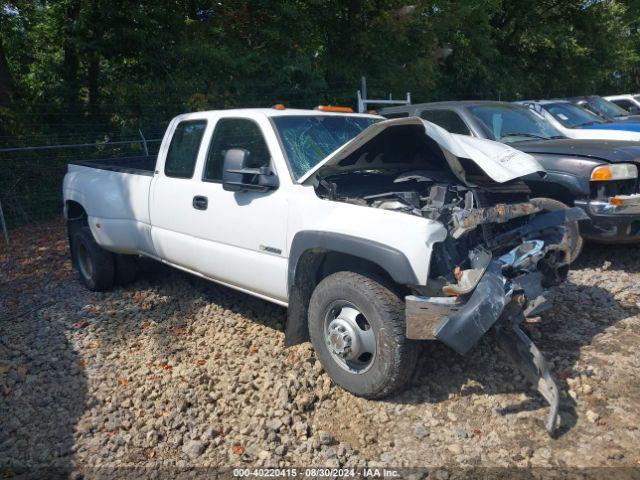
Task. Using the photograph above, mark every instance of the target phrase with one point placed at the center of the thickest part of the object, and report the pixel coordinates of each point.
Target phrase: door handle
(200, 202)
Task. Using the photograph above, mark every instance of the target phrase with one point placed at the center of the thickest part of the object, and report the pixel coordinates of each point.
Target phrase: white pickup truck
(374, 233)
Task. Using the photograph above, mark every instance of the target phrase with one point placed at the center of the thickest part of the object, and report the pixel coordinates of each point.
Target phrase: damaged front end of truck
(501, 252)
(502, 281)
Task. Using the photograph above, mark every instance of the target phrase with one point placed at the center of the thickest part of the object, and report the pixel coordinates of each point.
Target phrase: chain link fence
(31, 177)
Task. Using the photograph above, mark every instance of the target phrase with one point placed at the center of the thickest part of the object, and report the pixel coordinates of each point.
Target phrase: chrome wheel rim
(84, 261)
(349, 337)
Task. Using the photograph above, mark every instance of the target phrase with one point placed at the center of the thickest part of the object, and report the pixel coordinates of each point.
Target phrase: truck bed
(142, 165)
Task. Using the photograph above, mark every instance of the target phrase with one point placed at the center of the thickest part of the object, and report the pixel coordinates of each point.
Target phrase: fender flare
(390, 259)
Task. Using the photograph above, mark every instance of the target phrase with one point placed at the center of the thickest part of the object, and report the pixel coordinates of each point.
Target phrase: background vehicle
(576, 122)
(597, 175)
(303, 208)
(604, 108)
(631, 103)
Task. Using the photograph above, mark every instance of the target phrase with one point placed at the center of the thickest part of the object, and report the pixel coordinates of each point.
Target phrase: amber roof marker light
(333, 108)
(279, 106)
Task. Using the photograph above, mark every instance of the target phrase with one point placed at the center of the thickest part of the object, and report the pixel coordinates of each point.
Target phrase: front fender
(558, 184)
(391, 260)
(571, 173)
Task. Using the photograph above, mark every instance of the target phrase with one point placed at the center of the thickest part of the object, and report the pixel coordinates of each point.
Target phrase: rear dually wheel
(96, 266)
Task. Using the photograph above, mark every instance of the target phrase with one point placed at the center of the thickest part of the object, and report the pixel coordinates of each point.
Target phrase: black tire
(575, 240)
(394, 361)
(126, 269)
(96, 266)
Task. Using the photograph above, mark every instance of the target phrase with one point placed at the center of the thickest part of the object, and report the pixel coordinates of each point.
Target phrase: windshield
(570, 115)
(513, 123)
(309, 139)
(608, 108)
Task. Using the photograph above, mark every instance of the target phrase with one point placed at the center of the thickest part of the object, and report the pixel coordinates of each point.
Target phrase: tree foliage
(101, 67)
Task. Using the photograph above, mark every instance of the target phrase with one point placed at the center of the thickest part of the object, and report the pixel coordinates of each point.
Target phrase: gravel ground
(173, 371)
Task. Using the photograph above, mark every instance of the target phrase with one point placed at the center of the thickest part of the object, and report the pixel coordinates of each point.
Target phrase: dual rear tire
(99, 269)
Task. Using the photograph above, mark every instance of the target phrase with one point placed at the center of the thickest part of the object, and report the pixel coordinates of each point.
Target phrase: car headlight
(621, 171)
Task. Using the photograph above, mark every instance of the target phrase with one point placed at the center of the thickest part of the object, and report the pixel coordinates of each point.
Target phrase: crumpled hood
(613, 151)
(500, 162)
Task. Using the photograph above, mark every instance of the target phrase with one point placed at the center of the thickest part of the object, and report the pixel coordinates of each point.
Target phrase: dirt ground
(176, 372)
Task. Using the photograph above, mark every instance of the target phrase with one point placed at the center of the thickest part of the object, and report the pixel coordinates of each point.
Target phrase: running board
(528, 359)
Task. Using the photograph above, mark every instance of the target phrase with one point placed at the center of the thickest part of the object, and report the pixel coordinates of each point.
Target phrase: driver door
(243, 234)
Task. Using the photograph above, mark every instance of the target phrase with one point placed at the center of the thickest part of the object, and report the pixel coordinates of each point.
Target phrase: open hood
(499, 162)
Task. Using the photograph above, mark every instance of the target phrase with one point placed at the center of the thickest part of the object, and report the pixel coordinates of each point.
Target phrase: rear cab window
(183, 149)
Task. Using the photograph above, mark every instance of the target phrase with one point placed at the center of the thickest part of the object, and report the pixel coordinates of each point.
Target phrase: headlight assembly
(620, 171)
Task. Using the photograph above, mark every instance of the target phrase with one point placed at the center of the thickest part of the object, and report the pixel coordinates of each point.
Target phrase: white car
(373, 233)
(576, 122)
(631, 103)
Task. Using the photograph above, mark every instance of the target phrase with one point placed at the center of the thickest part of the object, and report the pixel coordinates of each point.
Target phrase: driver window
(446, 119)
(235, 133)
(626, 104)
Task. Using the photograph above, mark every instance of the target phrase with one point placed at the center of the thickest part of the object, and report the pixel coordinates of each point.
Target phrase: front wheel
(357, 327)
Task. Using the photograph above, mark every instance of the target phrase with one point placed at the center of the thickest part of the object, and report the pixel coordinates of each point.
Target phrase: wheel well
(74, 211)
(312, 267)
(76, 217)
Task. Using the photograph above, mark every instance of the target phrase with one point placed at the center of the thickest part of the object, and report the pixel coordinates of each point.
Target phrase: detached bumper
(615, 220)
(461, 323)
(458, 324)
(495, 303)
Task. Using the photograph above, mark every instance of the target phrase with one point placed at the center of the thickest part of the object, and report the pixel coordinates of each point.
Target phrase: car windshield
(608, 108)
(570, 115)
(513, 123)
(309, 139)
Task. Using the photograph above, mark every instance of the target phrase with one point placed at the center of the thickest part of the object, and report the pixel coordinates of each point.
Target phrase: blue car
(605, 109)
(629, 126)
(576, 122)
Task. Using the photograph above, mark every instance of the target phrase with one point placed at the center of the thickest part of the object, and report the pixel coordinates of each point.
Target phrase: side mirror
(237, 177)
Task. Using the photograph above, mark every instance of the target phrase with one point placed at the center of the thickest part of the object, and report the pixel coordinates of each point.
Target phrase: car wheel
(574, 239)
(96, 265)
(357, 327)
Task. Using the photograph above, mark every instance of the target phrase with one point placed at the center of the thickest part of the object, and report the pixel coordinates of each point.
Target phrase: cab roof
(274, 112)
(545, 102)
(447, 104)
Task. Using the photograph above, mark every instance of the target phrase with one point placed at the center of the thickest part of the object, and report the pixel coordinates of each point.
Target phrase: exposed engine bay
(501, 253)
(489, 217)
